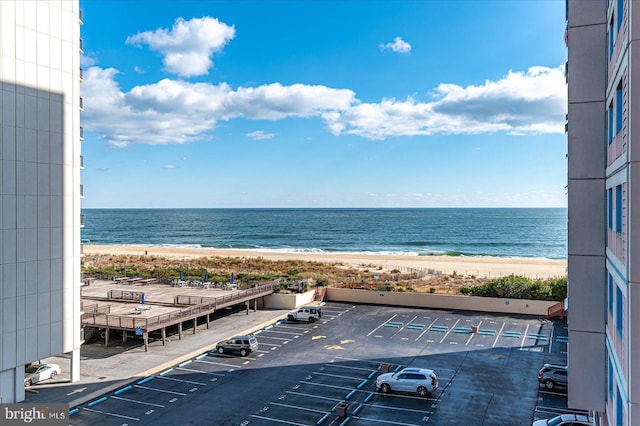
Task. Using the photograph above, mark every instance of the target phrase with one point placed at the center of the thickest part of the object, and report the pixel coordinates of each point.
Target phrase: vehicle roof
(416, 370)
(575, 417)
(565, 367)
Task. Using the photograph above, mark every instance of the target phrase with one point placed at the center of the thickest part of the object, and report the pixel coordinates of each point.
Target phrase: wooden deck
(141, 309)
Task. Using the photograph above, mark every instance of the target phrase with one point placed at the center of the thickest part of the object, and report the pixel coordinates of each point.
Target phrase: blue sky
(324, 103)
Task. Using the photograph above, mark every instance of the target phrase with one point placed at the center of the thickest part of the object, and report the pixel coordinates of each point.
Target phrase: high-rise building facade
(40, 189)
(604, 180)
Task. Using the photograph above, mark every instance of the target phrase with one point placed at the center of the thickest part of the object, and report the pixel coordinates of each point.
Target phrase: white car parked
(413, 380)
(38, 372)
(566, 420)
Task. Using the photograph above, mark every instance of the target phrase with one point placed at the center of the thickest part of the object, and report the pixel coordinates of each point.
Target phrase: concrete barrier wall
(441, 301)
(288, 301)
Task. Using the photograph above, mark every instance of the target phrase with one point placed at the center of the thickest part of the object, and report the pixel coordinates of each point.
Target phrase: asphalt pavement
(103, 369)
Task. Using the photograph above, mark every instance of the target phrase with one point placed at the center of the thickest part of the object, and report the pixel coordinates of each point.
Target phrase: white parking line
(388, 422)
(450, 330)
(216, 363)
(308, 395)
(277, 420)
(281, 332)
(327, 386)
(472, 334)
(381, 325)
(427, 329)
(193, 370)
(138, 402)
(349, 367)
(498, 335)
(359, 379)
(391, 407)
(112, 414)
(180, 380)
(312, 410)
(524, 336)
(160, 390)
(273, 338)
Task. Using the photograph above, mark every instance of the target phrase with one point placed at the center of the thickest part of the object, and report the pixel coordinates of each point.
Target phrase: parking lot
(324, 374)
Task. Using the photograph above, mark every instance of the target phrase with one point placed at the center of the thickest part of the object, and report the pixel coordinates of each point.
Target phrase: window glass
(619, 209)
(619, 107)
(610, 124)
(619, 311)
(610, 199)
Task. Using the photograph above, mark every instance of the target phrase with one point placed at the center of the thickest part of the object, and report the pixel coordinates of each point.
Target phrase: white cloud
(169, 166)
(176, 111)
(138, 70)
(259, 135)
(398, 45)
(530, 102)
(187, 48)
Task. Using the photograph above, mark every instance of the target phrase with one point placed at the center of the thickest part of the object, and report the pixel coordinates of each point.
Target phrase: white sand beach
(479, 266)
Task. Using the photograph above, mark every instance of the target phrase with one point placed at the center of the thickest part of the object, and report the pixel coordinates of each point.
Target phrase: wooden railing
(556, 310)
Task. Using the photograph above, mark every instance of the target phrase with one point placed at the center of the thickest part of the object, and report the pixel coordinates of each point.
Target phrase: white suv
(415, 380)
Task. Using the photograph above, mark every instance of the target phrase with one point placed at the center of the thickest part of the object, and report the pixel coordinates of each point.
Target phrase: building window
(612, 38)
(619, 107)
(610, 200)
(619, 311)
(620, 13)
(610, 377)
(610, 295)
(619, 417)
(610, 123)
(619, 209)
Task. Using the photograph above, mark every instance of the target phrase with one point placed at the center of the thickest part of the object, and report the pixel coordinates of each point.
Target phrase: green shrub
(518, 287)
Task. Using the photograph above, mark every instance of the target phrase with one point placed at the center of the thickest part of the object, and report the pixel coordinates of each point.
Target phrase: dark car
(241, 345)
(553, 376)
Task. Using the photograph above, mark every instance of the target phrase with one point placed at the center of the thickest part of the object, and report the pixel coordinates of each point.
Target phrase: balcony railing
(81, 191)
(81, 220)
(81, 75)
(81, 162)
(80, 44)
(81, 104)
(81, 133)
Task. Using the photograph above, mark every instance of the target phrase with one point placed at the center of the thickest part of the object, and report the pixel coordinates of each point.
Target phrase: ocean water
(505, 232)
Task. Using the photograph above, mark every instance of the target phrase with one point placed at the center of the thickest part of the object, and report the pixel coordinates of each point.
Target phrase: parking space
(324, 373)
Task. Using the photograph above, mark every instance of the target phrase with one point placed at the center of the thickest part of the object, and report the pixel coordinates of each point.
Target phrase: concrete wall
(587, 77)
(440, 301)
(287, 301)
(39, 187)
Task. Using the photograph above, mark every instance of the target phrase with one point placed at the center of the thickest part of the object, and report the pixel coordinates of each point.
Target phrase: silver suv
(413, 380)
(242, 345)
(553, 376)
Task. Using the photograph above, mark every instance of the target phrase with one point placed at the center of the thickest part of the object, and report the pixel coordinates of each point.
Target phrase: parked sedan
(566, 420)
(38, 372)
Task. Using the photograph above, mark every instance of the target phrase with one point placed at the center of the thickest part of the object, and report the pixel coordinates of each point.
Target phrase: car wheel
(312, 319)
(549, 384)
(243, 352)
(291, 318)
(29, 382)
(385, 388)
(53, 374)
(220, 350)
(422, 391)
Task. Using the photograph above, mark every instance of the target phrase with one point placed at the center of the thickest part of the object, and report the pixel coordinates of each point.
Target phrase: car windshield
(31, 369)
(554, 421)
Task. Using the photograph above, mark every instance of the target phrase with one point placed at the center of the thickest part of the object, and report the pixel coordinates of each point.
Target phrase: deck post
(145, 337)
(208, 320)
(180, 330)
(195, 324)
(124, 335)
(247, 305)
(164, 335)
(106, 337)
